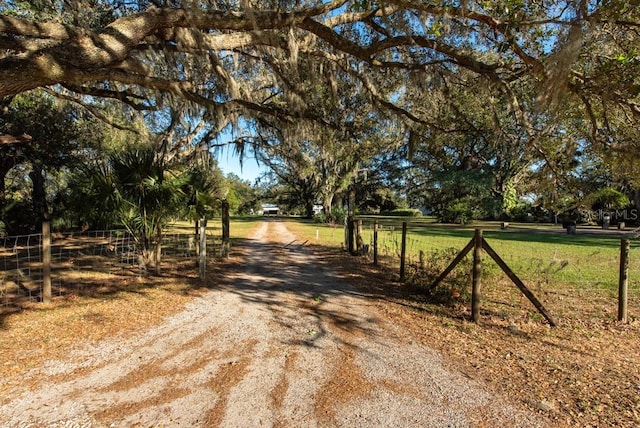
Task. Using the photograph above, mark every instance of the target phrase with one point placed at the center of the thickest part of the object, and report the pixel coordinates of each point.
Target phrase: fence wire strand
(574, 288)
(82, 260)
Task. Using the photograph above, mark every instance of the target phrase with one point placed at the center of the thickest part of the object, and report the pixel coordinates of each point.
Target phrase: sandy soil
(283, 342)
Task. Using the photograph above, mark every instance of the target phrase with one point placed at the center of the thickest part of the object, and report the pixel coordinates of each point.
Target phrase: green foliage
(460, 212)
(320, 218)
(150, 190)
(20, 218)
(203, 187)
(243, 198)
(466, 210)
(338, 215)
(38, 170)
(374, 196)
(52, 126)
(525, 212)
(609, 199)
(489, 111)
(509, 199)
(403, 212)
(94, 199)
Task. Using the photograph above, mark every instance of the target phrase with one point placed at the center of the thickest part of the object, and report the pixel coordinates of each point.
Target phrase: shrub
(608, 198)
(459, 212)
(19, 218)
(338, 215)
(320, 218)
(403, 212)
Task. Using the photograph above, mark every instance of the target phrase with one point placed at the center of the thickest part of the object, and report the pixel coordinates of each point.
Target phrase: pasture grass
(539, 253)
(239, 226)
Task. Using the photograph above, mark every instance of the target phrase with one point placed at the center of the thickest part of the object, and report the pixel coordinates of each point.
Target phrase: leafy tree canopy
(492, 88)
(237, 58)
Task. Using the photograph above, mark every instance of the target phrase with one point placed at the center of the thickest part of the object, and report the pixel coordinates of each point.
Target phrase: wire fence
(83, 262)
(576, 279)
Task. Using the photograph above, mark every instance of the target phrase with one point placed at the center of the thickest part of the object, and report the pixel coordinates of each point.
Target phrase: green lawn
(575, 276)
(535, 252)
(239, 227)
(541, 255)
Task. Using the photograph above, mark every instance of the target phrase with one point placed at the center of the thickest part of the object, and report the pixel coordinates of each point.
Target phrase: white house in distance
(273, 209)
(270, 209)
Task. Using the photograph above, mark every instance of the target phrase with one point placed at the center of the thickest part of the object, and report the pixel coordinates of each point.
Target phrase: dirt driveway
(285, 344)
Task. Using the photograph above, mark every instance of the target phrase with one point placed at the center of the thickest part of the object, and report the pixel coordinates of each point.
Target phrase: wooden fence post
(225, 229)
(46, 262)
(477, 272)
(403, 251)
(196, 241)
(359, 240)
(351, 213)
(623, 283)
(202, 257)
(375, 243)
(351, 241)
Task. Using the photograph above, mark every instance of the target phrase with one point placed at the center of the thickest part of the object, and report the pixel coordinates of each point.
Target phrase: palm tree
(93, 199)
(204, 188)
(151, 191)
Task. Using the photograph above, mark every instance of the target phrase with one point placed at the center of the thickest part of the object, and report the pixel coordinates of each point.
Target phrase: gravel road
(289, 344)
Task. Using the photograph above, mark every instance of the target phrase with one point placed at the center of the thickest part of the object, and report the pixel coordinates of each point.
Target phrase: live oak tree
(232, 62)
(57, 139)
(242, 195)
(193, 49)
(319, 158)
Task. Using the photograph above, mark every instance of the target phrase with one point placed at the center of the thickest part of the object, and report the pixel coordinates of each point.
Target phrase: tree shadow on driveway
(300, 290)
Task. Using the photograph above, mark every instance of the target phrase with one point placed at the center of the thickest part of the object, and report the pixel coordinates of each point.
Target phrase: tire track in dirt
(282, 343)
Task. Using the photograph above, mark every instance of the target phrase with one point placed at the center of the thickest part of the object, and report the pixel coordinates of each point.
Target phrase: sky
(229, 162)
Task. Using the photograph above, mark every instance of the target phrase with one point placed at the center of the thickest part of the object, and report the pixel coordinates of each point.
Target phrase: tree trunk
(3, 192)
(351, 203)
(158, 251)
(196, 240)
(144, 260)
(328, 202)
(226, 241)
(39, 195)
(308, 206)
(8, 160)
